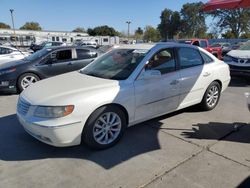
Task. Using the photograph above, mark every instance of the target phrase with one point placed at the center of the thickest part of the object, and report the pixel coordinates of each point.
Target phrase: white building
(24, 38)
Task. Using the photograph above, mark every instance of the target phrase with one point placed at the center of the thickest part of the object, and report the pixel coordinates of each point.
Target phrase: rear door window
(189, 57)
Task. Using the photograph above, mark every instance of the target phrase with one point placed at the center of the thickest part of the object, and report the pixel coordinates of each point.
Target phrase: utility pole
(13, 26)
(128, 22)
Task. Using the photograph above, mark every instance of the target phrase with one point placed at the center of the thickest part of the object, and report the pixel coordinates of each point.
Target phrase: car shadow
(209, 132)
(17, 145)
(245, 183)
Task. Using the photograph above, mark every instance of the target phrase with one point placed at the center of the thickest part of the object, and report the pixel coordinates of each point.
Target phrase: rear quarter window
(206, 58)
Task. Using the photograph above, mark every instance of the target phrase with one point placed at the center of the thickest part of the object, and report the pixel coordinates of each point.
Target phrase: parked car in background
(107, 48)
(89, 43)
(239, 60)
(123, 87)
(203, 43)
(8, 54)
(18, 75)
(36, 47)
(225, 46)
(237, 45)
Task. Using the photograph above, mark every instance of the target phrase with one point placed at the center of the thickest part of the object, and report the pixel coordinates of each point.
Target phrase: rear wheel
(104, 127)
(211, 96)
(26, 80)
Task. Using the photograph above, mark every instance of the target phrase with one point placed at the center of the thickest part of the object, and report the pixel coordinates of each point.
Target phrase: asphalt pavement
(188, 148)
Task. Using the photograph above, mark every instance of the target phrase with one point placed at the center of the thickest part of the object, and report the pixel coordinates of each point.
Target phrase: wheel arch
(219, 82)
(124, 110)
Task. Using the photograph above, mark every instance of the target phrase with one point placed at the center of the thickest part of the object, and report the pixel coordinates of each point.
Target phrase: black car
(18, 75)
(36, 47)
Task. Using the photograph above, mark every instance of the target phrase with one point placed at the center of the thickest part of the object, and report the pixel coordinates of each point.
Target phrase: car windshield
(38, 54)
(117, 64)
(245, 46)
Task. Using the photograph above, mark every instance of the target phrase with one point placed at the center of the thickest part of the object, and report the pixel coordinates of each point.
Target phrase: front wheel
(104, 127)
(211, 96)
(26, 80)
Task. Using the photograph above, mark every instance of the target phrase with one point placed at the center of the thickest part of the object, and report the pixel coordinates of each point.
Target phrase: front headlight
(7, 71)
(53, 111)
(227, 58)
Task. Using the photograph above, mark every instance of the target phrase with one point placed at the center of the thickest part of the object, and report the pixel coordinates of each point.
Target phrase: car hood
(12, 64)
(59, 89)
(245, 54)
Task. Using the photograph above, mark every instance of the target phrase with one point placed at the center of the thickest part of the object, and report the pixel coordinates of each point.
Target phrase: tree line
(189, 22)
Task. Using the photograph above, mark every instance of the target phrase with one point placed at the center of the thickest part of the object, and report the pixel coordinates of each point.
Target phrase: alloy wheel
(212, 96)
(27, 81)
(107, 128)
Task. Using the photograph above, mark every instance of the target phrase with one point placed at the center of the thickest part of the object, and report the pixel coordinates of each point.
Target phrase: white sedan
(8, 54)
(125, 86)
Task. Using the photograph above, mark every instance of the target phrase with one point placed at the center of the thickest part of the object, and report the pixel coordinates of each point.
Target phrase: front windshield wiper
(89, 74)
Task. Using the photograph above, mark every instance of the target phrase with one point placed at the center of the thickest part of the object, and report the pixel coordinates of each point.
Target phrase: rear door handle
(206, 74)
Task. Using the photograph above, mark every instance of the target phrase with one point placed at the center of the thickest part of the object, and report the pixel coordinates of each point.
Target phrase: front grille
(22, 106)
(240, 60)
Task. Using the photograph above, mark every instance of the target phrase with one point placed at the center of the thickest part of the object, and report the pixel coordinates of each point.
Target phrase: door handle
(70, 63)
(206, 74)
(174, 82)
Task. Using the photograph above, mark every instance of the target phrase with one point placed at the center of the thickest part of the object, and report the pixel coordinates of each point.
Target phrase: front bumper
(8, 84)
(236, 70)
(60, 136)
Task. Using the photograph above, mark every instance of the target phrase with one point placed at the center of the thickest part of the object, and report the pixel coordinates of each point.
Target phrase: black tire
(88, 131)
(22, 77)
(204, 103)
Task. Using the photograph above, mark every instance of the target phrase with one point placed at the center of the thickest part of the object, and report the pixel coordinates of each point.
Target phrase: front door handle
(70, 63)
(174, 82)
(206, 74)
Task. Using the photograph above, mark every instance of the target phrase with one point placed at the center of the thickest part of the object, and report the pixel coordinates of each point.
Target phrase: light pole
(13, 26)
(128, 22)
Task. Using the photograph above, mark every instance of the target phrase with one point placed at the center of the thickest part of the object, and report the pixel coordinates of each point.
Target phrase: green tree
(31, 26)
(236, 20)
(91, 32)
(193, 20)
(170, 24)
(79, 30)
(4, 26)
(102, 31)
(245, 35)
(151, 34)
(228, 35)
(138, 33)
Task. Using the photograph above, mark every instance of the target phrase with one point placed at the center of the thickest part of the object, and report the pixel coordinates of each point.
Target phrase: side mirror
(150, 74)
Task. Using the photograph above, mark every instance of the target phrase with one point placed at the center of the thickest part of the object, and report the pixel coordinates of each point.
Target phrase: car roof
(151, 45)
(136, 46)
(68, 47)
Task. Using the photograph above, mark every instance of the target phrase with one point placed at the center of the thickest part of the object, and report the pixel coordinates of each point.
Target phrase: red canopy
(226, 4)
